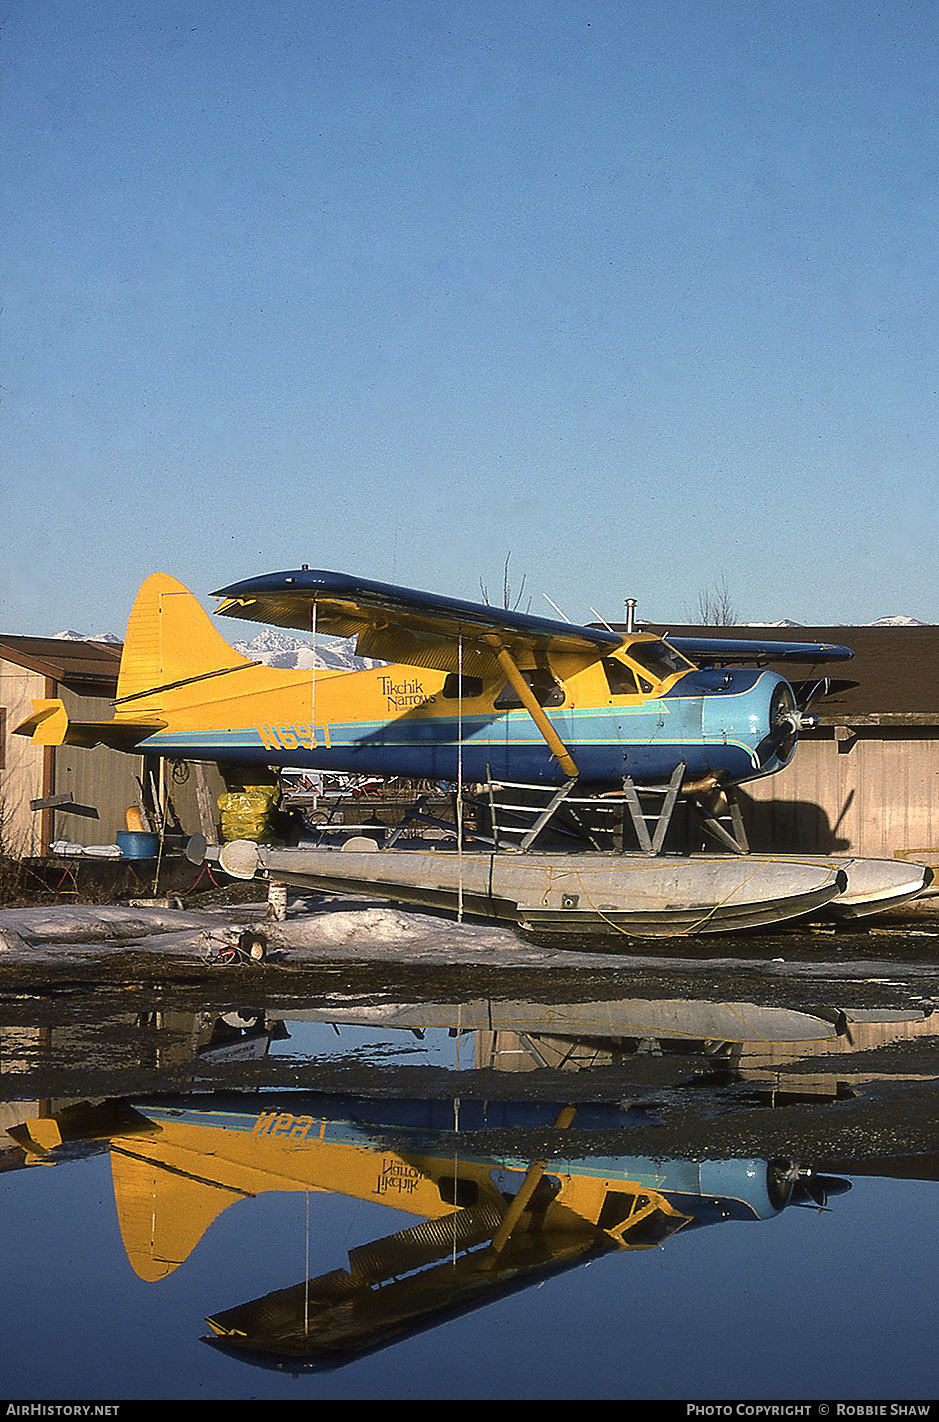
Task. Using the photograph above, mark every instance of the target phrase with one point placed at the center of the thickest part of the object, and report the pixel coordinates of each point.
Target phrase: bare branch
(508, 602)
(715, 605)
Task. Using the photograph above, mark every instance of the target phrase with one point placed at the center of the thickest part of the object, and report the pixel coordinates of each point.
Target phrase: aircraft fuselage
(401, 720)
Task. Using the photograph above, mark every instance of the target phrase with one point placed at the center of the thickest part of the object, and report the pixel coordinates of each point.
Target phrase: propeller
(807, 692)
(787, 718)
(790, 713)
(801, 1185)
(813, 1191)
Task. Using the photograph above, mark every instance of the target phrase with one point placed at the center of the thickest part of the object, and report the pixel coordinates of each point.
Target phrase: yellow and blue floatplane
(583, 716)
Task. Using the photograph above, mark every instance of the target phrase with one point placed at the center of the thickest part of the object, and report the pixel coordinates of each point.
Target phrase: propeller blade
(809, 693)
(814, 1191)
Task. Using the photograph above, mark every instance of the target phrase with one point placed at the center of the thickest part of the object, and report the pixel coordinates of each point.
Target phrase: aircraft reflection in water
(490, 1220)
(489, 1224)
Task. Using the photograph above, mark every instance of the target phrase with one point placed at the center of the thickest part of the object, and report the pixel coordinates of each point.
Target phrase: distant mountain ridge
(783, 622)
(70, 636)
(280, 649)
(273, 648)
(898, 621)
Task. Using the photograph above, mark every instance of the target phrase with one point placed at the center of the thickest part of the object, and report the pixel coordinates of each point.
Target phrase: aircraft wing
(735, 649)
(396, 624)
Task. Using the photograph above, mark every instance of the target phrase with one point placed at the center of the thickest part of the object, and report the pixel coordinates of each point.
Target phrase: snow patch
(384, 925)
(97, 923)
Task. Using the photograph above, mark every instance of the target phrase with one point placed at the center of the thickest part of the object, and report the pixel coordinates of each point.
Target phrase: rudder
(170, 640)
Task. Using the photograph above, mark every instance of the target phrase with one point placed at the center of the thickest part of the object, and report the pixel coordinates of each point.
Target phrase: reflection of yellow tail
(170, 644)
(163, 1215)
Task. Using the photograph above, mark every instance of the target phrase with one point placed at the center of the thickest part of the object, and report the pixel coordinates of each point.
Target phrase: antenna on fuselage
(556, 608)
(603, 620)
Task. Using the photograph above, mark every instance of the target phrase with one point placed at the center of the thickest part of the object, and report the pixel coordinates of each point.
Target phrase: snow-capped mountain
(274, 648)
(69, 636)
(898, 621)
(281, 649)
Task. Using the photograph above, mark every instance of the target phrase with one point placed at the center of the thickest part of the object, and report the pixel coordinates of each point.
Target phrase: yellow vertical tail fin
(170, 642)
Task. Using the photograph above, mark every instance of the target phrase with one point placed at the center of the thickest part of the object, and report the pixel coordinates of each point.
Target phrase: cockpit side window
(620, 679)
(469, 686)
(658, 658)
(547, 691)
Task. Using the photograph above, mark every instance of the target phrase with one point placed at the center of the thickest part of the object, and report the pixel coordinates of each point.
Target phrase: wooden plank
(207, 820)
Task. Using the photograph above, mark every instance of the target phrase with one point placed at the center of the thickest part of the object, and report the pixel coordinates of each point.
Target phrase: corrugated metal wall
(875, 793)
(100, 778)
(106, 780)
(21, 778)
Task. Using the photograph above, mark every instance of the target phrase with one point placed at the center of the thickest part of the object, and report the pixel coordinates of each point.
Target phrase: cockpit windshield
(658, 658)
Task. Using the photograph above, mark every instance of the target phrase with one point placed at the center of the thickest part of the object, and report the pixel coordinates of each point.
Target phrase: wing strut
(528, 699)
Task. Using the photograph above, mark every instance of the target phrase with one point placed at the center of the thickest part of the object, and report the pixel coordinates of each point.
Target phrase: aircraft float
(594, 721)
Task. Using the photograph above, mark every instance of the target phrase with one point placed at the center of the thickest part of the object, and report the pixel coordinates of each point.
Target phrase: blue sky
(642, 293)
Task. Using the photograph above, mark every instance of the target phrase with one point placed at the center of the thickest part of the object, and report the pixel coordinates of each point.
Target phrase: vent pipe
(630, 614)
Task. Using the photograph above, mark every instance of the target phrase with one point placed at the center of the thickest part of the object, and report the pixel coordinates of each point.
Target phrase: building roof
(65, 660)
(893, 678)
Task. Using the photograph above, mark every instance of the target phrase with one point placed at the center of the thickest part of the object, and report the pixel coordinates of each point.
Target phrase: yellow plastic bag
(248, 814)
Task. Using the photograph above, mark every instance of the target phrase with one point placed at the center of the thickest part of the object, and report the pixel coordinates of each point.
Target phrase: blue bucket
(133, 844)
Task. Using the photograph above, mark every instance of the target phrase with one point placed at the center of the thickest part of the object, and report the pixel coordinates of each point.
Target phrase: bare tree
(715, 606)
(508, 602)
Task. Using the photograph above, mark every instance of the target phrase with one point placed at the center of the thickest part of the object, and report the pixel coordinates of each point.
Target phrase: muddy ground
(93, 1001)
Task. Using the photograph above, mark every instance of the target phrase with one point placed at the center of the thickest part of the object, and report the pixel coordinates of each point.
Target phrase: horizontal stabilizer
(49, 725)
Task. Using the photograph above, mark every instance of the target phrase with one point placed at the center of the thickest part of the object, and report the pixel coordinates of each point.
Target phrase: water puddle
(486, 1197)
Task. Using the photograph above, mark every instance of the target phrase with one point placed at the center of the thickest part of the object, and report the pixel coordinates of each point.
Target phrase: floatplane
(534, 717)
(486, 1225)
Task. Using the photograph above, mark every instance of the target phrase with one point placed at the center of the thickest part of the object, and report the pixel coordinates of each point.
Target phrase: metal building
(52, 793)
(866, 781)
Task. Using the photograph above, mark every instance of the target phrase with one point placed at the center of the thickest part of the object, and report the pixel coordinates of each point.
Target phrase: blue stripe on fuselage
(712, 721)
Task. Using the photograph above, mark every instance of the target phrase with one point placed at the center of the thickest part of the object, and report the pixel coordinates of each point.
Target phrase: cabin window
(546, 689)
(617, 1208)
(620, 679)
(658, 658)
(472, 686)
(460, 1192)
